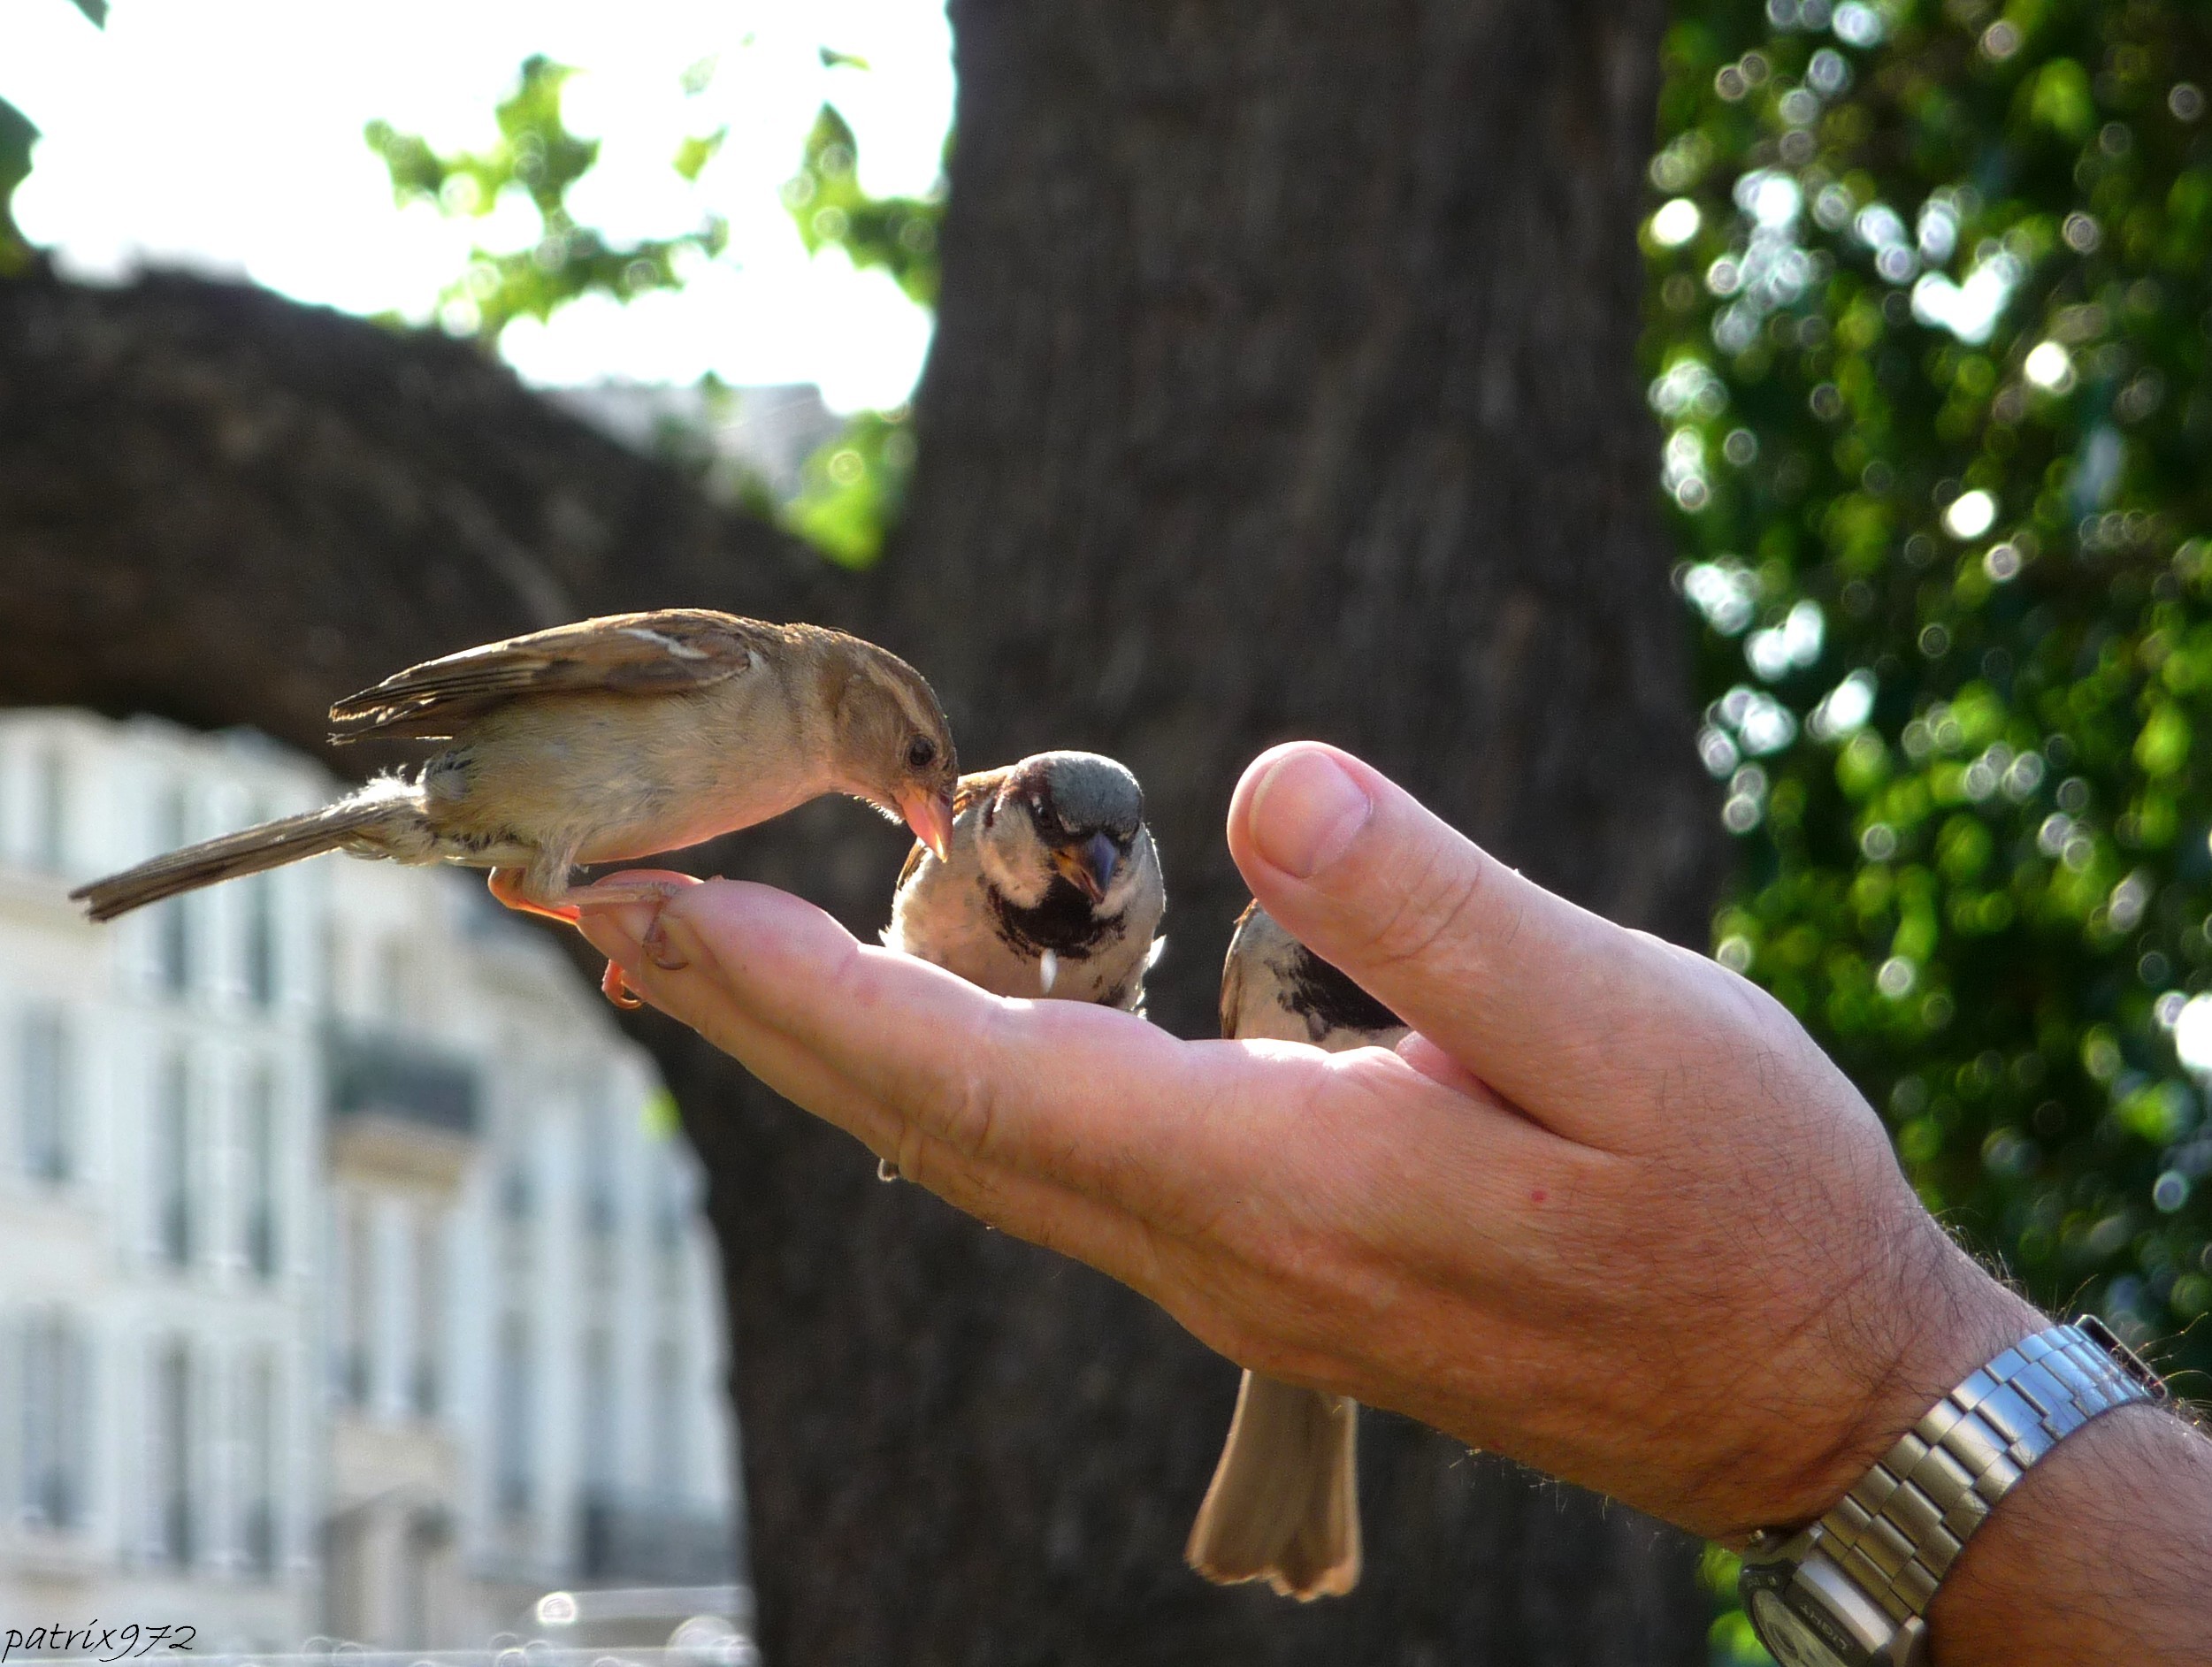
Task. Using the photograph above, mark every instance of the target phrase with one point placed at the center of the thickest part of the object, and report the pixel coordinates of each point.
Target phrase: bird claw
(613, 986)
(886, 1170)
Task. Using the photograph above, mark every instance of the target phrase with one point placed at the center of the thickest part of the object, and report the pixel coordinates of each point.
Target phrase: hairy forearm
(2102, 1553)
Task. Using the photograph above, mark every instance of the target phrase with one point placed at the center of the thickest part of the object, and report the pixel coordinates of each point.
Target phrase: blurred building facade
(351, 1278)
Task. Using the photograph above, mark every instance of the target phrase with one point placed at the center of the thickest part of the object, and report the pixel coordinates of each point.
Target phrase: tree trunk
(1283, 384)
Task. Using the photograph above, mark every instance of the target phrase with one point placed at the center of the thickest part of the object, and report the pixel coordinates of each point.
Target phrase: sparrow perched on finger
(1284, 1506)
(1050, 886)
(603, 741)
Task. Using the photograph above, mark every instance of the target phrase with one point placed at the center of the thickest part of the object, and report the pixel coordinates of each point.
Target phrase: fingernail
(1305, 811)
(660, 951)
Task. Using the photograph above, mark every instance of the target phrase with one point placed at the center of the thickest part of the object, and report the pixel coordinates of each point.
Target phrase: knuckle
(1436, 904)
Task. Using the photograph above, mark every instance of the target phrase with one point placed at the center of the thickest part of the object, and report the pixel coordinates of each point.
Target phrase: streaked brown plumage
(604, 741)
(1050, 886)
(1284, 1506)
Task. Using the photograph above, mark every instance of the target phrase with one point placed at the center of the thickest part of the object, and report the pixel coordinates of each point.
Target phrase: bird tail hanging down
(1285, 1503)
(390, 808)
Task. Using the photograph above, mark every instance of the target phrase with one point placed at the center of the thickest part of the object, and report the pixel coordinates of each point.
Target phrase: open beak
(1090, 866)
(931, 816)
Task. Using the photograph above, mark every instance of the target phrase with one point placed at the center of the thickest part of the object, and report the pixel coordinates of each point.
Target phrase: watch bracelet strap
(1897, 1533)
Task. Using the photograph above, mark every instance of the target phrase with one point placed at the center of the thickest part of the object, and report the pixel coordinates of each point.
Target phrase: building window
(261, 1174)
(172, 1472)
(671, 1450)
(258, 1438)
(171, 1153)
(357, 1269)
(426, 1386)
(173, 920)
(54, 1401)
(515, 1469)
(516, 1196)
(671, 1204)
(601, 1170)
(49, 1098)
(600, 1423)
(50, 811)
(261, 939)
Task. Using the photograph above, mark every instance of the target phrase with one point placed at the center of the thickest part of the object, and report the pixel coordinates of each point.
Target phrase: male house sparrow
(603, 741)
(1048, 886)
(1285, 1503)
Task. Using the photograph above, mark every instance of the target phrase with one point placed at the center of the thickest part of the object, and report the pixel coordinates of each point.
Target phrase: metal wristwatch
(1852, 1590)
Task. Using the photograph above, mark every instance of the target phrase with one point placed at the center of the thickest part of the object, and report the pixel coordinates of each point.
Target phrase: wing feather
(664, 652)
(1232, 1006)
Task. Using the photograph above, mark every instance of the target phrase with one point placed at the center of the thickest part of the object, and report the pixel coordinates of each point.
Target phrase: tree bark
(1283, 384)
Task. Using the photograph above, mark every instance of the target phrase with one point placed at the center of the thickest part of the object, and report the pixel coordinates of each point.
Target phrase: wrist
(2099, 1553)
(1901, 1340)
(1857, 1587)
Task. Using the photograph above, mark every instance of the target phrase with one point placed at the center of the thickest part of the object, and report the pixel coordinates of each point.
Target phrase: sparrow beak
(931, 816)
(1090, 866)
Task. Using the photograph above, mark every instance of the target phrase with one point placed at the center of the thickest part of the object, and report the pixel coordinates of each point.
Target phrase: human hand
(1608, 1210)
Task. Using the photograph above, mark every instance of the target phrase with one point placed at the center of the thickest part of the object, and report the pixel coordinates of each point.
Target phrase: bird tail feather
(1285, 1503)
(269, 845)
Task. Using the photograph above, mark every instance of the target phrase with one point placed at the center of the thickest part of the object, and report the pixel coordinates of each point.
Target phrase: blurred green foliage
(1930, 307)
(537, 159)
(855, 485)
(895, 235)
(18, 134)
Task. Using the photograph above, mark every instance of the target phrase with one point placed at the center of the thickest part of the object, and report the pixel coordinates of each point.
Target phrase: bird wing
(665, 652)
(1233, 974)
(982, 784)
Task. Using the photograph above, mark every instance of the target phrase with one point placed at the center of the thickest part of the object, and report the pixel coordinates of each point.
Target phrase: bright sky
(225, 135)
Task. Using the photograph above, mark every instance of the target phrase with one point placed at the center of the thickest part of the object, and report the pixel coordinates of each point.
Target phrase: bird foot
(886, 1170)
(506, 885)
(612, 894)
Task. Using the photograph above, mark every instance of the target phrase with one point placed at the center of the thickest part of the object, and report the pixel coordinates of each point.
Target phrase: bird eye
(921, 752)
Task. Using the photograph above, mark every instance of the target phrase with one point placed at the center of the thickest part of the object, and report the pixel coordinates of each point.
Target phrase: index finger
(1088, 1095)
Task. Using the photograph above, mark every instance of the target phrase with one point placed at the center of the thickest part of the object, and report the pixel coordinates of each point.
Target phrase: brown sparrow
(603, 741)
(1284, 1506)
(1049, 887)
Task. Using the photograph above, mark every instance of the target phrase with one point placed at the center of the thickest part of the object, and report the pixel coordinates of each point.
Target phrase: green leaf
(94, 11)
(2063, 101)
(18, 135)
(853, 487)
(540, 158)
(898, 235)
(694, 154)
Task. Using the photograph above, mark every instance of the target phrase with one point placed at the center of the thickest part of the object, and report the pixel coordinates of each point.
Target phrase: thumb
(1542, 999)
